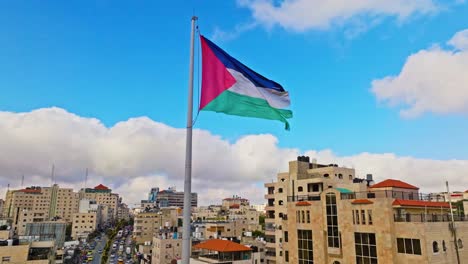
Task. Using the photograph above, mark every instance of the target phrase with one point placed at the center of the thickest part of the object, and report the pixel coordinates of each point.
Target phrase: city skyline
(103, 86)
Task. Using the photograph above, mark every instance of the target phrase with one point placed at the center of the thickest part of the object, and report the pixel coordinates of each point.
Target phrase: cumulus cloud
(431, 80)
(134, 155)
(302, 15)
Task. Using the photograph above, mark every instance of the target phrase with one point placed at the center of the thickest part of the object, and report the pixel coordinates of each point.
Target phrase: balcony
(269, 208)
(270, 245)
(269, 196)
(303, 198)
(404, 195)
(422, 218)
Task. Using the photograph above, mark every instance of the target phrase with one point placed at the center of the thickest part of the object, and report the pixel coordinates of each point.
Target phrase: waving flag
(230, 87)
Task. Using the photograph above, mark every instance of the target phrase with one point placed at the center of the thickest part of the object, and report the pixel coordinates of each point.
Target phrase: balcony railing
(428, 218)
(303, 198)
(404, 195)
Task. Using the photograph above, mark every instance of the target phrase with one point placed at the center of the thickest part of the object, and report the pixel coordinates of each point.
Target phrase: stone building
(146, 224)
(167, 247)
(324, 214)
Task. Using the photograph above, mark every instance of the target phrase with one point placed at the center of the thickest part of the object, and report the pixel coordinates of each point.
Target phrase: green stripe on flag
(236, 104)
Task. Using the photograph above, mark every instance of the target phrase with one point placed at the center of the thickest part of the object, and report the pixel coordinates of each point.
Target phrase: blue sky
(114, 60)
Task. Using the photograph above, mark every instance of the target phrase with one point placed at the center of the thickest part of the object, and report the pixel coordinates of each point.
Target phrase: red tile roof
(362, 201)
(418, 203)
(30, 190)
(234, 206)
(394, 183)
(101, 187)
(303, 203)
(222, 246)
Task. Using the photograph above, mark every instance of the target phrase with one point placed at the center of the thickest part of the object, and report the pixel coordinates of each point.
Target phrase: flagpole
(453, 223)
(186, 231)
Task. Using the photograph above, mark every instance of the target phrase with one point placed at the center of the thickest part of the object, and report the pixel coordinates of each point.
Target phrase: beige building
(324, 214)
(146, 224)
(87, 220)
(167, 246)
(45, 203)
(103, 196)
(28, 253)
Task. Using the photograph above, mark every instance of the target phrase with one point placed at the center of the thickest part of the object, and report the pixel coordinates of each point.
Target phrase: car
(90, 258)
(100, 251)
(112, 256)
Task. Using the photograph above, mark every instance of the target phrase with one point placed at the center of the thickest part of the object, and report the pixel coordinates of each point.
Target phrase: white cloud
(302, 15)
(137, 154)
(432, 80)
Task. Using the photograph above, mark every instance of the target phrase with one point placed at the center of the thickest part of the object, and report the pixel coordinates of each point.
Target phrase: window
(280, 190)
(286, 256)
(280, 202)
(363, 213)
(332, 221)
(366, 249)
(286, 236)
(303, 216)
(298, 216)
(6, 259)
(354, 218)
(350, 177)
(444, 247)
(308, 216)
(460, 243)
(409, 246)
(435, 247)
(369, 218)
(300, 189)
(326, 175)
(340, 176)
(357, 216)
(305, 247)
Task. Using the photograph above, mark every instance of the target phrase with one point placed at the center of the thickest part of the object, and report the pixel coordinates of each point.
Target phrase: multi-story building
(235, 201)
(86, 220)
(147, 223)
(324, 214)
(123, 212)
(103, 196)
(50, 203)
(170, 197)
(167, 247)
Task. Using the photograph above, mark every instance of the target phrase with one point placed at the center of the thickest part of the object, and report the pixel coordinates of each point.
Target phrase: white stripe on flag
(244, 86)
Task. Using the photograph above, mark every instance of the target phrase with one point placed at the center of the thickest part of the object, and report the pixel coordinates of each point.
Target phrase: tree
(258, 233)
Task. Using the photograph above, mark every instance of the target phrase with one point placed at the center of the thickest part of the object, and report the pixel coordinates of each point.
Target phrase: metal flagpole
(186, 234)
(453, 223)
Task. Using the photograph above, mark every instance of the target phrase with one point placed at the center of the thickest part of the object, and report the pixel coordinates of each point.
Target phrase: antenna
(86, 178)
(52, 174)
(22, 181)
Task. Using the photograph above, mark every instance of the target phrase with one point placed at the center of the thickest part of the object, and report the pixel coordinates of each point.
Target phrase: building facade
(171, 197)
(324, 214)
(39, 204)
(147, 224)
(167, 247)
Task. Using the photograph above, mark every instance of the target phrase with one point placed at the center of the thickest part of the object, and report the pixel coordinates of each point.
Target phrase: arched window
(300, 189)
(280, 215)
(280, 190)
(444, 247)
(435, 247)
(336, 262)
(350, 177)
(460, 243)
(280, 202)
(282, 179)
(340, 176)
(326, 175)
